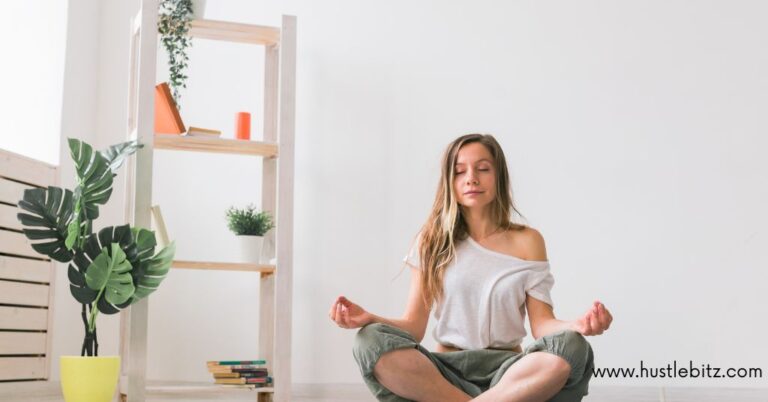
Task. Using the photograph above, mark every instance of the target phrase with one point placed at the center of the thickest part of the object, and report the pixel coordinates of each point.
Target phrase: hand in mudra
(348, 315)
(597, 320)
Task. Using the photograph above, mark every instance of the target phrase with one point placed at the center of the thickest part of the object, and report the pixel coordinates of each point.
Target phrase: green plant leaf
(110, 275)
(95, 179)
(156, 272)
(49, 209)
(92, 249)
(116, 154)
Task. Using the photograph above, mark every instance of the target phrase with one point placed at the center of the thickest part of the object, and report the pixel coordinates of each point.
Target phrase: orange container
(243, 126)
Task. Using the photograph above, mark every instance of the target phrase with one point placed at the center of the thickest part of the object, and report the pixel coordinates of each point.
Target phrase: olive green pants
(474, 371)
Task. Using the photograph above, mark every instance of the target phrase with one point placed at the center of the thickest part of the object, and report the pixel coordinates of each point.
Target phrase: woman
(482, 272)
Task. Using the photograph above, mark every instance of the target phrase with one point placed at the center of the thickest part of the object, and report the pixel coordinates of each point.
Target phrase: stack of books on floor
(240, 373)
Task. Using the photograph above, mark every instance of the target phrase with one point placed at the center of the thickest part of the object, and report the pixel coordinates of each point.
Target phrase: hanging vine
(173, 26)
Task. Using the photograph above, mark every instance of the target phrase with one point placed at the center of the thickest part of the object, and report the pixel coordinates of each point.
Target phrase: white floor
(49, 392)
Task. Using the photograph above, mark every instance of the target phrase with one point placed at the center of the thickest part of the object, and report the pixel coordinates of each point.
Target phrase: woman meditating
(481, 272)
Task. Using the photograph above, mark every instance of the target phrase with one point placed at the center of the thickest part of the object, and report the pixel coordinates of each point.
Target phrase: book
(202, 132)
(245, 374)
(235, 369)
(263, 380)
(235, 362)
(167, 117)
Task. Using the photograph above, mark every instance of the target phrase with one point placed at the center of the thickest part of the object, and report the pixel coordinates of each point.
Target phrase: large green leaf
(92, 248)
(49, 210)
(95, 178)
(116, 154)
(155, 273)
(110, 275)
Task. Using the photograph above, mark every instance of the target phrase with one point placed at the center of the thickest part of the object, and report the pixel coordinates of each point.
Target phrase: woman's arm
(414, 320)
(540, 314)
(543, 322)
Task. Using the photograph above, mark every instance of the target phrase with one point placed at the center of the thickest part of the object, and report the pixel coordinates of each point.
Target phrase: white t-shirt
(484, 291)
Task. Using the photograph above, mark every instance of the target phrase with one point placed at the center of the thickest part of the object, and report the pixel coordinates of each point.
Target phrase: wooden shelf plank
(197, 389)
(215, 145)
(224, 266)
(234, 32)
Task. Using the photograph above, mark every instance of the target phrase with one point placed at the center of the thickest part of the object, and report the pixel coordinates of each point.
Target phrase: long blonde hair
(446, 224)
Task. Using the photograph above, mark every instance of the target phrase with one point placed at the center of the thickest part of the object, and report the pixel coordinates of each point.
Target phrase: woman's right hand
(349, 315)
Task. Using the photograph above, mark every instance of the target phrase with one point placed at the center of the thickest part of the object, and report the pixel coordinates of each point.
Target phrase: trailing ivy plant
(173, 26)
(109, 270)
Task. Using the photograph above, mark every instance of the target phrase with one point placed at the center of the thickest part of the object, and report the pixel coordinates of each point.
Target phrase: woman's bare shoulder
(530, 242)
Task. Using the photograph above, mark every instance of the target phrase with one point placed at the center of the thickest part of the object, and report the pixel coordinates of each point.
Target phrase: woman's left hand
(595, 321)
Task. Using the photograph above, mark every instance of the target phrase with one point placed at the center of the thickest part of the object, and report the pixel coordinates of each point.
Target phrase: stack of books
(240, 373)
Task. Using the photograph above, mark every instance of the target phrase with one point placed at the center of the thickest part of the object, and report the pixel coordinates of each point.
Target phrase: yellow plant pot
(89, 379)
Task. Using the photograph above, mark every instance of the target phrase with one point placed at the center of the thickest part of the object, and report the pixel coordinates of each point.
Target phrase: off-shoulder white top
(484, 292)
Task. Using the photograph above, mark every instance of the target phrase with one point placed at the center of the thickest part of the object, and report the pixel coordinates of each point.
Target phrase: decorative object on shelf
(167, 117)
(250, 227)
(173, 26)
(198, 9)
(243, 126)
(203, 132)
(109, 270)
(245, 373)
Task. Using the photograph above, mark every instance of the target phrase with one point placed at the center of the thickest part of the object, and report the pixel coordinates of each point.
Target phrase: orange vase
(243, 126)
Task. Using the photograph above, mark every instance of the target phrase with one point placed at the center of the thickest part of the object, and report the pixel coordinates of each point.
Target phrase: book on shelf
(235, 369)
(167, 117)
(244, 374)
(261, 380)
(235, 362)
(203, 132)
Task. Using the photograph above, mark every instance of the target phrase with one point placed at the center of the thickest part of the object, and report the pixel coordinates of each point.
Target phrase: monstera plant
(109, 270)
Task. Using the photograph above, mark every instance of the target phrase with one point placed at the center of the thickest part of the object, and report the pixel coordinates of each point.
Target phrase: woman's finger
(345, 316)
(602, 317)
(593, 324)
(332, 313)
(338, 314)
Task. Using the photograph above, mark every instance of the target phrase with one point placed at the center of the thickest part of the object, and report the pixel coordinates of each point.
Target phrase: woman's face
(474, 180)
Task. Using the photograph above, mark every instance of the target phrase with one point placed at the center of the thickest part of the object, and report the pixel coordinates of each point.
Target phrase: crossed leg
(408, 373)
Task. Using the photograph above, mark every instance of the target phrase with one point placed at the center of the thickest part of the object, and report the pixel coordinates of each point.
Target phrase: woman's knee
(574, 348)
(375, 340)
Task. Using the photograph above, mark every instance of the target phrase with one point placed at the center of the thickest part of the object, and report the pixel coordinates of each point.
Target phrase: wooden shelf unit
(277, 151)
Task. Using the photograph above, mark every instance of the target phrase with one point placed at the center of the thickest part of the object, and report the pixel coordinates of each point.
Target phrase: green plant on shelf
(248, 221)
(173, 25)
(109, 270)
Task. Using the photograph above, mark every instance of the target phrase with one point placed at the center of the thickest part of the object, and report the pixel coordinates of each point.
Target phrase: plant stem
(94, 312)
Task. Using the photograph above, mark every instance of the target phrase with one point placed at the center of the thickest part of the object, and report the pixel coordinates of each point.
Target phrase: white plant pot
(250, 248)
(198, 9)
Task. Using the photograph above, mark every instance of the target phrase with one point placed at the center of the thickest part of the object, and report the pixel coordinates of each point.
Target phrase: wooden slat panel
(11, 191)
(22, 269)
(16, 243)
(21, 368)
(23, 293)
(23, 318)
(22, 343)
(28, 170)
(8, 217)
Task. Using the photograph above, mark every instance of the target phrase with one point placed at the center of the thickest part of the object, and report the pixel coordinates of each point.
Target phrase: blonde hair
(446, 224)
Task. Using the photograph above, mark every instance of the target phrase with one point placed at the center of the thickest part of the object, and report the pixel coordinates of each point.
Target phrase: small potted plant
(108, 270)
(250, 226)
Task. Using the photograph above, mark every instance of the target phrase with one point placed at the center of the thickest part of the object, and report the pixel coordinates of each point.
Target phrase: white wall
(31, 77)
(633, 130)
